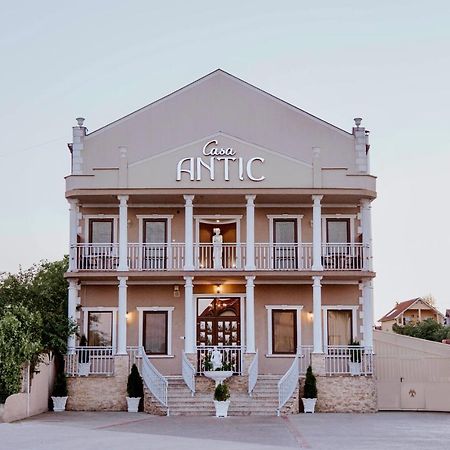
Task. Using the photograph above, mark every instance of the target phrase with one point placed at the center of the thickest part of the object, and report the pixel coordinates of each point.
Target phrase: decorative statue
(216, 359)
(217, 241)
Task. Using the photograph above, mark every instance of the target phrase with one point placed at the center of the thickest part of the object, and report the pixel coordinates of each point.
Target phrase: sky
(386, 61)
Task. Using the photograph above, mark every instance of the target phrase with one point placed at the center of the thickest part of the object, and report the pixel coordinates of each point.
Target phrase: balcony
(232, 257)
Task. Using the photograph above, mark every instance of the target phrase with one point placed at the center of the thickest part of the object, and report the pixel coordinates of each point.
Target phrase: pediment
(220, 161)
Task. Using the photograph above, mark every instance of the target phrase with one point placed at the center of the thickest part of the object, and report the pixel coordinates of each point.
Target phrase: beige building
(410, 311)
(221, 216)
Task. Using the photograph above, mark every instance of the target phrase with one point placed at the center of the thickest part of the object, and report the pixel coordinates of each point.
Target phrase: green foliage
(83, 354)
(427, 329)
(207, 364)
(60, 386)
(221, 393)
(355, 354)
(310, 389)
(135, 387)
(33, 318)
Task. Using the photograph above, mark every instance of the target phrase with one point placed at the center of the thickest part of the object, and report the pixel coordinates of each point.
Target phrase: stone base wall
(292, 406)
(345, 394)
(152, 405)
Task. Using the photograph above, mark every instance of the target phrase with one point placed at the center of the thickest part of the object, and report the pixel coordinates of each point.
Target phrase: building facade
(222, 216)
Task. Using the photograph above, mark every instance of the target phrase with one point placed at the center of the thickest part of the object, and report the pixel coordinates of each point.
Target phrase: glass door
(155, 244)
(285, 244)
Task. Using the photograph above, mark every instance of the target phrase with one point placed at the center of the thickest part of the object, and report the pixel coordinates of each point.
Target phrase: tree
(429, 299)
(427, 329)
(33, 318)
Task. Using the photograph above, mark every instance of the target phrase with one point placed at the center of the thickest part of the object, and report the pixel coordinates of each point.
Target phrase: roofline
(410, 306)
(201, 79)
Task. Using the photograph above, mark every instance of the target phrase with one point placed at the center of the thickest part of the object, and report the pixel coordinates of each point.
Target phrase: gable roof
(220, 72)
(402, 307)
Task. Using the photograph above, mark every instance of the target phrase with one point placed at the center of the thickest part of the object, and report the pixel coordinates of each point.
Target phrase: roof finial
(358, 121)
(80, 121)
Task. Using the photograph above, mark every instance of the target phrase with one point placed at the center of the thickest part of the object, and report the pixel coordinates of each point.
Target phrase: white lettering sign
(222, 162)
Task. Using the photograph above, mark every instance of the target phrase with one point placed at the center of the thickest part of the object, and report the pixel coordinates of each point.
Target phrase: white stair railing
(188, 371)
(287, 384)
(155, 382)
(253, 374)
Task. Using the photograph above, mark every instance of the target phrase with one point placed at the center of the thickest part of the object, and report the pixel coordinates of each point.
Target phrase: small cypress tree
(83, 354)
(60, 386)
(310, 389)
(135, 387)
(221, 393)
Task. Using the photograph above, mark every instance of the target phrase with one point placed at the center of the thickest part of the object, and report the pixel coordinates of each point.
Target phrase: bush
(60, 386)
(221, 393)
(135, 387)
(83, 354)
(427, 329)
(310, 389)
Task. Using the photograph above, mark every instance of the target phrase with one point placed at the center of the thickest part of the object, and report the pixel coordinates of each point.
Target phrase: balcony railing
(230, 257)
(231, 355)
(339, 359)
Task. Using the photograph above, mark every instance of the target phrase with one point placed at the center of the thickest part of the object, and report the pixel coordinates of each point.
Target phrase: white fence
(288, 384)
(97, 256)
(304, 356)
(228, 257)
(253, 374)
(156, 257)
(231, 355)
(100, 359)
(283, 256)
(343, 256)
(188, 372)
(339, 357)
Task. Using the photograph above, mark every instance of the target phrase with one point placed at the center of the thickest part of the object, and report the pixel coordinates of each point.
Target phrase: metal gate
(411, 374)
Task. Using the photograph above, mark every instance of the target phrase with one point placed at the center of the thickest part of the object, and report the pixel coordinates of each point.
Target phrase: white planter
(309, 405)
(222, 408)
(59, 403)
(84, 369)
(355, 368)
(133, 404)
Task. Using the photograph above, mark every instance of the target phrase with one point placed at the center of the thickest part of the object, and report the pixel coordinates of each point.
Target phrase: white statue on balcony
(217, 241)
(216, 359)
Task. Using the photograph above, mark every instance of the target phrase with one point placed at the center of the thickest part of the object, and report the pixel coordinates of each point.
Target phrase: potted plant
(84, 366)
(135, 389)
(59, 394)
(309, 392)
(354, 364)
(221, 400)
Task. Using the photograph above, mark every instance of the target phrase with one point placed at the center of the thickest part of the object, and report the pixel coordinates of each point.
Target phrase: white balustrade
(100, 359)
(134, 357)
(233, 257)
(156, 257)
(155, 382)
(343, 256)
(188, 371)
(288, 384)
(97, 256)
(292, 256)
(304, 355)
(253, 374)
(338, 358)
(231, 355)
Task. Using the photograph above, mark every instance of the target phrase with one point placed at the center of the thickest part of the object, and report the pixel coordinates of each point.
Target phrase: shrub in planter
(309, 392)
(221, 400)
(59, 394)
(83, 358)
(135, 389)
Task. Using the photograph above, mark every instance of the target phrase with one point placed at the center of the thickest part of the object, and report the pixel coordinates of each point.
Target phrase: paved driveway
(123, 431)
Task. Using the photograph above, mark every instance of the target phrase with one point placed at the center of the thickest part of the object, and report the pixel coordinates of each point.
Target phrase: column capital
(365, 202)
(250, 279)
(250, 198)
(73, 201)
(73, 283)
(122, 280)
(188, 198)
(123, 199)
(188, 281)
(317, 198)
(317, 279)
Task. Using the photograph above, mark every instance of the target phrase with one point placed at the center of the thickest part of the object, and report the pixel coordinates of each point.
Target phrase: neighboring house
(221, 216)
(410, 311)
(447, 317)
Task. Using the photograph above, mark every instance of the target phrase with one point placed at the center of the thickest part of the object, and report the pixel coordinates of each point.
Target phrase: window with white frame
(338, 228)
(340, 324)
(155, 330)
(99, 326)
(283, 329)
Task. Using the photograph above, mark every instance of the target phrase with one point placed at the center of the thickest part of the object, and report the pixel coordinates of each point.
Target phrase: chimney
(361, 142)
(78, 132)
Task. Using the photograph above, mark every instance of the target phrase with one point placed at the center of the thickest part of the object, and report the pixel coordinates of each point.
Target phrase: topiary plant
(60, 386)
(221, 393)
(83, 354)
(355, 353)
(310, 389)
(135, 387)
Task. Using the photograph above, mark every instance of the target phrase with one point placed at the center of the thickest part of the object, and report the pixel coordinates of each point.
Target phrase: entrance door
(284, 241)
(155, 239)
(219, 324)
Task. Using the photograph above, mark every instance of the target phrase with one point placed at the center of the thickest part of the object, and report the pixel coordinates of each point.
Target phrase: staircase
(264, 400)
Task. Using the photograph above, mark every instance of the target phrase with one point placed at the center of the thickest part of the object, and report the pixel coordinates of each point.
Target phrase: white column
(188, 233)
(317, 233)
(189, 317)
(366, 230)
(72, 308)
(368, 313)
(123, 233)
(250, 314)
(73, 208)
(122, 317)
(250, 219)
(317, 313)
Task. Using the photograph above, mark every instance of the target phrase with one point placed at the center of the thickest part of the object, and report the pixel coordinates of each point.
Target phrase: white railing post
(317, 232)
(188, 372)
(123, 232)
(250, 220)
(189, 233)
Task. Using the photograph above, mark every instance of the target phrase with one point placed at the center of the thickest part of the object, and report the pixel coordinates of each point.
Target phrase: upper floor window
(155, 231)
(285, 231)
(101, 231)
(338, 230)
